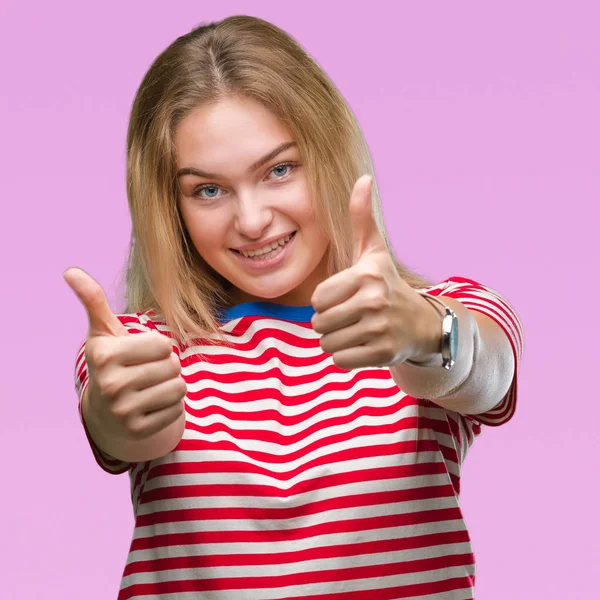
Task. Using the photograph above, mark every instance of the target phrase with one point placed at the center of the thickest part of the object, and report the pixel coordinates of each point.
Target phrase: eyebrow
(259, 163)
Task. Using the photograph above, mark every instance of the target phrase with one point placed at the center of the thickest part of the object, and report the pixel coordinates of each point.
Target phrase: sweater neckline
(299, 314)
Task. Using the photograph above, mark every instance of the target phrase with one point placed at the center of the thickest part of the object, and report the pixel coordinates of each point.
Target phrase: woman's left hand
(368, 315)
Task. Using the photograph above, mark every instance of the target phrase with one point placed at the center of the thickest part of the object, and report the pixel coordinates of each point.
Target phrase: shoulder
(456, 283)
(146, 321)
(474, 294)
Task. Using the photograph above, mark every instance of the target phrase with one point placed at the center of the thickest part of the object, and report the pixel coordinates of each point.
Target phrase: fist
(135, 387)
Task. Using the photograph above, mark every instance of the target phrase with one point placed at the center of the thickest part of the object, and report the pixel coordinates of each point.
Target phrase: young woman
(292, 404)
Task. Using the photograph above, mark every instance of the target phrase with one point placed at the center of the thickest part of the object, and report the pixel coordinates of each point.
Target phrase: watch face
(454, 339)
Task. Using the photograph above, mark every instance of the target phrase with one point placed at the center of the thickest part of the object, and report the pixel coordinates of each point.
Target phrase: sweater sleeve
(464, 429)
(134, 324)
(480, 298)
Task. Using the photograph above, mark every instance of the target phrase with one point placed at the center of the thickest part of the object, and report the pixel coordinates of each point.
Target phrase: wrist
(435, 383)
(91, 424)
(430, 336)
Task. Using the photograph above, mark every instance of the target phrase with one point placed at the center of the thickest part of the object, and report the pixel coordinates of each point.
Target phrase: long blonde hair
(240, 56)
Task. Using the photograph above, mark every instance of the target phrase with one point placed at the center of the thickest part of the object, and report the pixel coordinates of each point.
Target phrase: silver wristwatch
(449, 347)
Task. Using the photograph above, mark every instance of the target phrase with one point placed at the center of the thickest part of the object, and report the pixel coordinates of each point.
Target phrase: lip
(269, 263)
(264, 242)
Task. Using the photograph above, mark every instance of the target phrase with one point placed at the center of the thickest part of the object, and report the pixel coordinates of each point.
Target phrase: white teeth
(280, 242)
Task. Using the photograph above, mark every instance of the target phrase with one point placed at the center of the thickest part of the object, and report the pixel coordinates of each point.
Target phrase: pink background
(484, 125)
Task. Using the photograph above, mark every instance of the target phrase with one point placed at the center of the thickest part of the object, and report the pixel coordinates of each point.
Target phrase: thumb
(102, 319)
(366, 234)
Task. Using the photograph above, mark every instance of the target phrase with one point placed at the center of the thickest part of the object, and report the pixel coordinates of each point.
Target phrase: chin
(278, 291)
(268, 293)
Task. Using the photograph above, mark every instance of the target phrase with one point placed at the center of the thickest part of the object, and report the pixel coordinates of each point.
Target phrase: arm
(482, 374)
(129, 382)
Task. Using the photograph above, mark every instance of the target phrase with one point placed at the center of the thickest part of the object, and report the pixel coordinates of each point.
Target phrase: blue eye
(284, 165)
(214, 188)
(207, 187)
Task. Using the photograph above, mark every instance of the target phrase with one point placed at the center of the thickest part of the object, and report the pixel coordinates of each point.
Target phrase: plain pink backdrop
(484, 125)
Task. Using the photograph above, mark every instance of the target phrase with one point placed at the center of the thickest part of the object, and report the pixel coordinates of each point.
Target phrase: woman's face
(237, 194)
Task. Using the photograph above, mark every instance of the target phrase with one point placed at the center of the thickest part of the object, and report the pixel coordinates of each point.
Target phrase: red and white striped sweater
(297, 479)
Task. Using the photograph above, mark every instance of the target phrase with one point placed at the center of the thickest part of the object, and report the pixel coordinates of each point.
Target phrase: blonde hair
(240, 56)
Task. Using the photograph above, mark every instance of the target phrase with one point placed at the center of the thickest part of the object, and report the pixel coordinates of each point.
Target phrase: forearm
(481, 375)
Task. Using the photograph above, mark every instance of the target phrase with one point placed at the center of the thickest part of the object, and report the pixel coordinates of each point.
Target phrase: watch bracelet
(434, 362)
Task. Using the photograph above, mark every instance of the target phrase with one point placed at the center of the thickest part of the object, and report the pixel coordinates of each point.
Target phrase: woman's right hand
(134, 403)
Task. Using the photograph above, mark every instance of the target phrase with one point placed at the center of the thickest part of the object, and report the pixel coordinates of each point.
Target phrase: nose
(253, 215)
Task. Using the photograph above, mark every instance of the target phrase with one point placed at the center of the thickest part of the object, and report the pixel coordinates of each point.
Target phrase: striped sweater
(298, 479)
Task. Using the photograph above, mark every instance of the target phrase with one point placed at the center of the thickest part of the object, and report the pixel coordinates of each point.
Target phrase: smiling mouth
(271, 247)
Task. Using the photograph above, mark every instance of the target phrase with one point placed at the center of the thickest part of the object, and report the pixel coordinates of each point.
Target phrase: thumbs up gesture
(368, 315)
(133, 405)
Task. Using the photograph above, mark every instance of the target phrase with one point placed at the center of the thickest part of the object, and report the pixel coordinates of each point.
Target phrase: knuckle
(101, 355)
(181, 387)
(369, 269)
(387, 353)
(176, 365)
(136, 428)
(121, 411)
(326, 345)
(162, 342)
(339, 361)
(375, 301)
(379, 326)
(168, 343)
(110, 386)
(316, 323)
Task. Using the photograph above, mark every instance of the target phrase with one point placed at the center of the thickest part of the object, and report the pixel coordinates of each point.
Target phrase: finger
(335, 318)
(366, 234)
(158, 420)
(150, 374)
(348, 337)
(163, 395)
(102, 319)
(334, 290)
(358, 357)
(146, 347)
(130, 350)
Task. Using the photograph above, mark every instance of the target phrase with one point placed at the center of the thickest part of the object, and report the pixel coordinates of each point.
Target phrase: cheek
(206, 231)
(196, 224)
(207, 239)
(298, 205)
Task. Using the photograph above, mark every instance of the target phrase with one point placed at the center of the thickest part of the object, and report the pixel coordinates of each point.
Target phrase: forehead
(236, 126)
